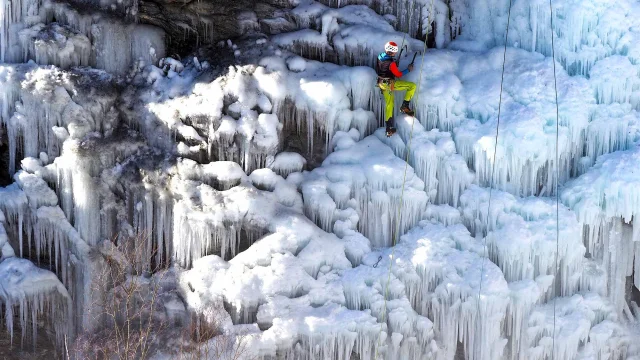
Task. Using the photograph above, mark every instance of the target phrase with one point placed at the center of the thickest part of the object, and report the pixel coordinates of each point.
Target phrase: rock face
(197, 22)
(5, 179)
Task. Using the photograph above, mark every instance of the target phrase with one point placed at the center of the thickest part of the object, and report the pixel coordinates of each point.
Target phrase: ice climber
(388, 71)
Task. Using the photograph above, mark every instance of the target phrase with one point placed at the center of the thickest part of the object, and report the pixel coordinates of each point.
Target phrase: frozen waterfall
(271, 212)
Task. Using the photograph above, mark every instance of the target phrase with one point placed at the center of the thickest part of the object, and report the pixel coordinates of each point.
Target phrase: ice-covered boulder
(361, 187)
(29, 294)
(524, 237)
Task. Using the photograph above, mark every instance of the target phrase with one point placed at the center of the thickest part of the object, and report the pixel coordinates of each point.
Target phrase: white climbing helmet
(391, 47)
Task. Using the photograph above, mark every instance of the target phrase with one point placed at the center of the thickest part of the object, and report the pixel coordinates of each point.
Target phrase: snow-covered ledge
(28, 293)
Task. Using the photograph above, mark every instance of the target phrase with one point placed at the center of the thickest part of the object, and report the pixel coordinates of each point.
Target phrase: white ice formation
(268, 189)
(29, 294)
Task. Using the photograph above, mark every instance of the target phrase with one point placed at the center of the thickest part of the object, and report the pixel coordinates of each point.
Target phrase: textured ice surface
(582, 318)
(86, 37)
(287, 162)
(442, 274)
(433, 156)
(29, 294)
(56, 45)
(360, 187)
(212, 164)
(604, 200)
(585, 31)
(51, 106)
(430, 274)
(607, 190)
(527, 139)
(283, 94)
(521, 236)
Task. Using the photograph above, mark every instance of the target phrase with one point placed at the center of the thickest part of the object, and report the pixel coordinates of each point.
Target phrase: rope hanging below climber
(390, 47)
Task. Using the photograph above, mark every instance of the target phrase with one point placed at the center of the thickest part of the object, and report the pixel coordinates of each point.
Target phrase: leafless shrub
(128, 293)
(204, 338)
(125, 291)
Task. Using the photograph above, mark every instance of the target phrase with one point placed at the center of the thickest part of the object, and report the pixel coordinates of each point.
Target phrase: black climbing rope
(555, 87)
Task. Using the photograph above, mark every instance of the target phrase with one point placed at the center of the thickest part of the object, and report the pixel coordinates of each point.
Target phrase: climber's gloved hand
(410, 67)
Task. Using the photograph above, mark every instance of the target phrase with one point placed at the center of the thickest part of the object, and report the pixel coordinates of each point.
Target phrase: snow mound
(521, 236)
(433, 156)
(286, 163)
(586, 326)
(213, 221)
(268, 101)
(607, 190)
(526, 150)
(360, 187)
(324, 98)
(32, 292)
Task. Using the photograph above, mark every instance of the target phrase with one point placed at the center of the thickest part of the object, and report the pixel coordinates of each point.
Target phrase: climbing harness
(384, 80)
(404, 180)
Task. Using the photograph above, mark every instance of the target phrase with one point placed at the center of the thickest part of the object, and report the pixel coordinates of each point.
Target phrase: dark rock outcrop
(193, 23)
(5, 179)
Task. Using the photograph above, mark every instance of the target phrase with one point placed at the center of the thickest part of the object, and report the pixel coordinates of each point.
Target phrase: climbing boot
(390, 127)
(406, 109)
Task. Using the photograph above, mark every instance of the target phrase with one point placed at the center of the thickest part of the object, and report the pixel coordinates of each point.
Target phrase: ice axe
(400, 54)
(414, 57)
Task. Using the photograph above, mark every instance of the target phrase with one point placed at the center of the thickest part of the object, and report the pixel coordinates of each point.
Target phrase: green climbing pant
(398, 85)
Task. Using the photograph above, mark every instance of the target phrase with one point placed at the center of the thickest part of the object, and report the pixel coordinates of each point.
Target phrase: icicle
(438, 290)
(521, 236)
(433, 155)
(14, 204)
(614, 80)
(6, 251)
(377, 194)
(585, 319)
(68, 49)
(34, 292)
(524, 295)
